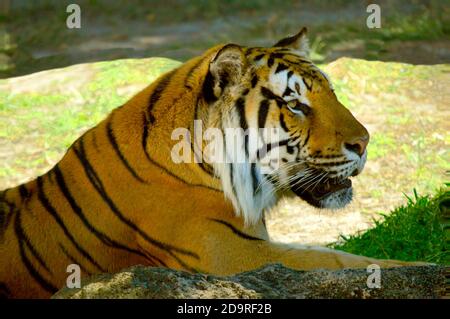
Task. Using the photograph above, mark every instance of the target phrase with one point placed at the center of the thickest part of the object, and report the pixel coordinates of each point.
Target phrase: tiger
(117, 198)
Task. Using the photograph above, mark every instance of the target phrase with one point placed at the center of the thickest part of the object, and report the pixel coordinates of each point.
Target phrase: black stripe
(306, 109)
(145, 133)
(286, 55)
(155, 260)
(23, 191)
(203, 165)
(208, 89)
(116, 148)
(290, 74)
(254, 178)
(290, 149)
(288, 91)
(306, 84)
(251, 50)
(307, 138)
(281, 67)
(283, 123)
(297, 88)
(20, 233)
(266, 148)
(258, 57)
(45, 284)
(163, 82)
(233, 190)
(240, 106)
(270, 61)
(6, 212)
(268, 94)
(235, 230)
(280, 55)
(263, 112)
(98, 185)
(46, 203)
(50, 177)
(100, 235)
(73, 260)
(191, 72)
(165, 170)
(149, 118)
(208, 169)
(254, 80)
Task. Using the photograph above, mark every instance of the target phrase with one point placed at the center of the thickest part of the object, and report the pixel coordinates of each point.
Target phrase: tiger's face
(325, 144)
(320, 143)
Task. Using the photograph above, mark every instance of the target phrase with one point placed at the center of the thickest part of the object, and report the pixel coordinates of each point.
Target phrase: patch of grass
(10, 102)
(101, 95)
(380, 145)
(426, 24)
(417, 231)
(60, 117)
(408, 28)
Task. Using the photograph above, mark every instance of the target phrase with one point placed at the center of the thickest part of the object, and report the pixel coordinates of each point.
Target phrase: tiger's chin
(330, 195)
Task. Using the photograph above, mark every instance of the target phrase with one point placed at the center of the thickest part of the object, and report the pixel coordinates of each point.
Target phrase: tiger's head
(319, 144)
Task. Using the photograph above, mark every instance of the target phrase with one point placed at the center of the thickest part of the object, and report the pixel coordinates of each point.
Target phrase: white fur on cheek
(278, 82)
(237, 178)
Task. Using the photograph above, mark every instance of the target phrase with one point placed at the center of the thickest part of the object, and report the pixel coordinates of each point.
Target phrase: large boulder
(271, 281)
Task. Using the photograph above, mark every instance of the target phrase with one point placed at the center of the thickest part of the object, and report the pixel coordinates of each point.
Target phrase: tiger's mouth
(326, 194)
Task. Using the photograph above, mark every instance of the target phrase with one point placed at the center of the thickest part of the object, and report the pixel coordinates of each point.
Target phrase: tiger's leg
(228, 249)
(255, 255)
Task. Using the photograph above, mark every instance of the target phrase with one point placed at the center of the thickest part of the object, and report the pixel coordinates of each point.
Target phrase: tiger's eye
(297, 107)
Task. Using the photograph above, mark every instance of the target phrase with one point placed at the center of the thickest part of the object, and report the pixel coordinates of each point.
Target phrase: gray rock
(272, 281)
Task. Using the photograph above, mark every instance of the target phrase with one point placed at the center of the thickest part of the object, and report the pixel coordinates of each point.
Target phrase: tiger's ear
(227, 67)
(298, 42)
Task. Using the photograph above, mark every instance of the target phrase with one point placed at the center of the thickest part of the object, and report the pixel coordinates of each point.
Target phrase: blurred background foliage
(34, 35)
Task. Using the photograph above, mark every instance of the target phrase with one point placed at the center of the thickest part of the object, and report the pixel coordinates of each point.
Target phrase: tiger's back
(50, 224)
(82, 211)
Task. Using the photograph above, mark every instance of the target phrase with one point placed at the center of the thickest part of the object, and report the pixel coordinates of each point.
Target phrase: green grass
(417, 231)
(423, 25)
(427, 20)
(381, 145)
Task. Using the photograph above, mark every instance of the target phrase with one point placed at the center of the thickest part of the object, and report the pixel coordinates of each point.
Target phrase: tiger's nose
(358, 145)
